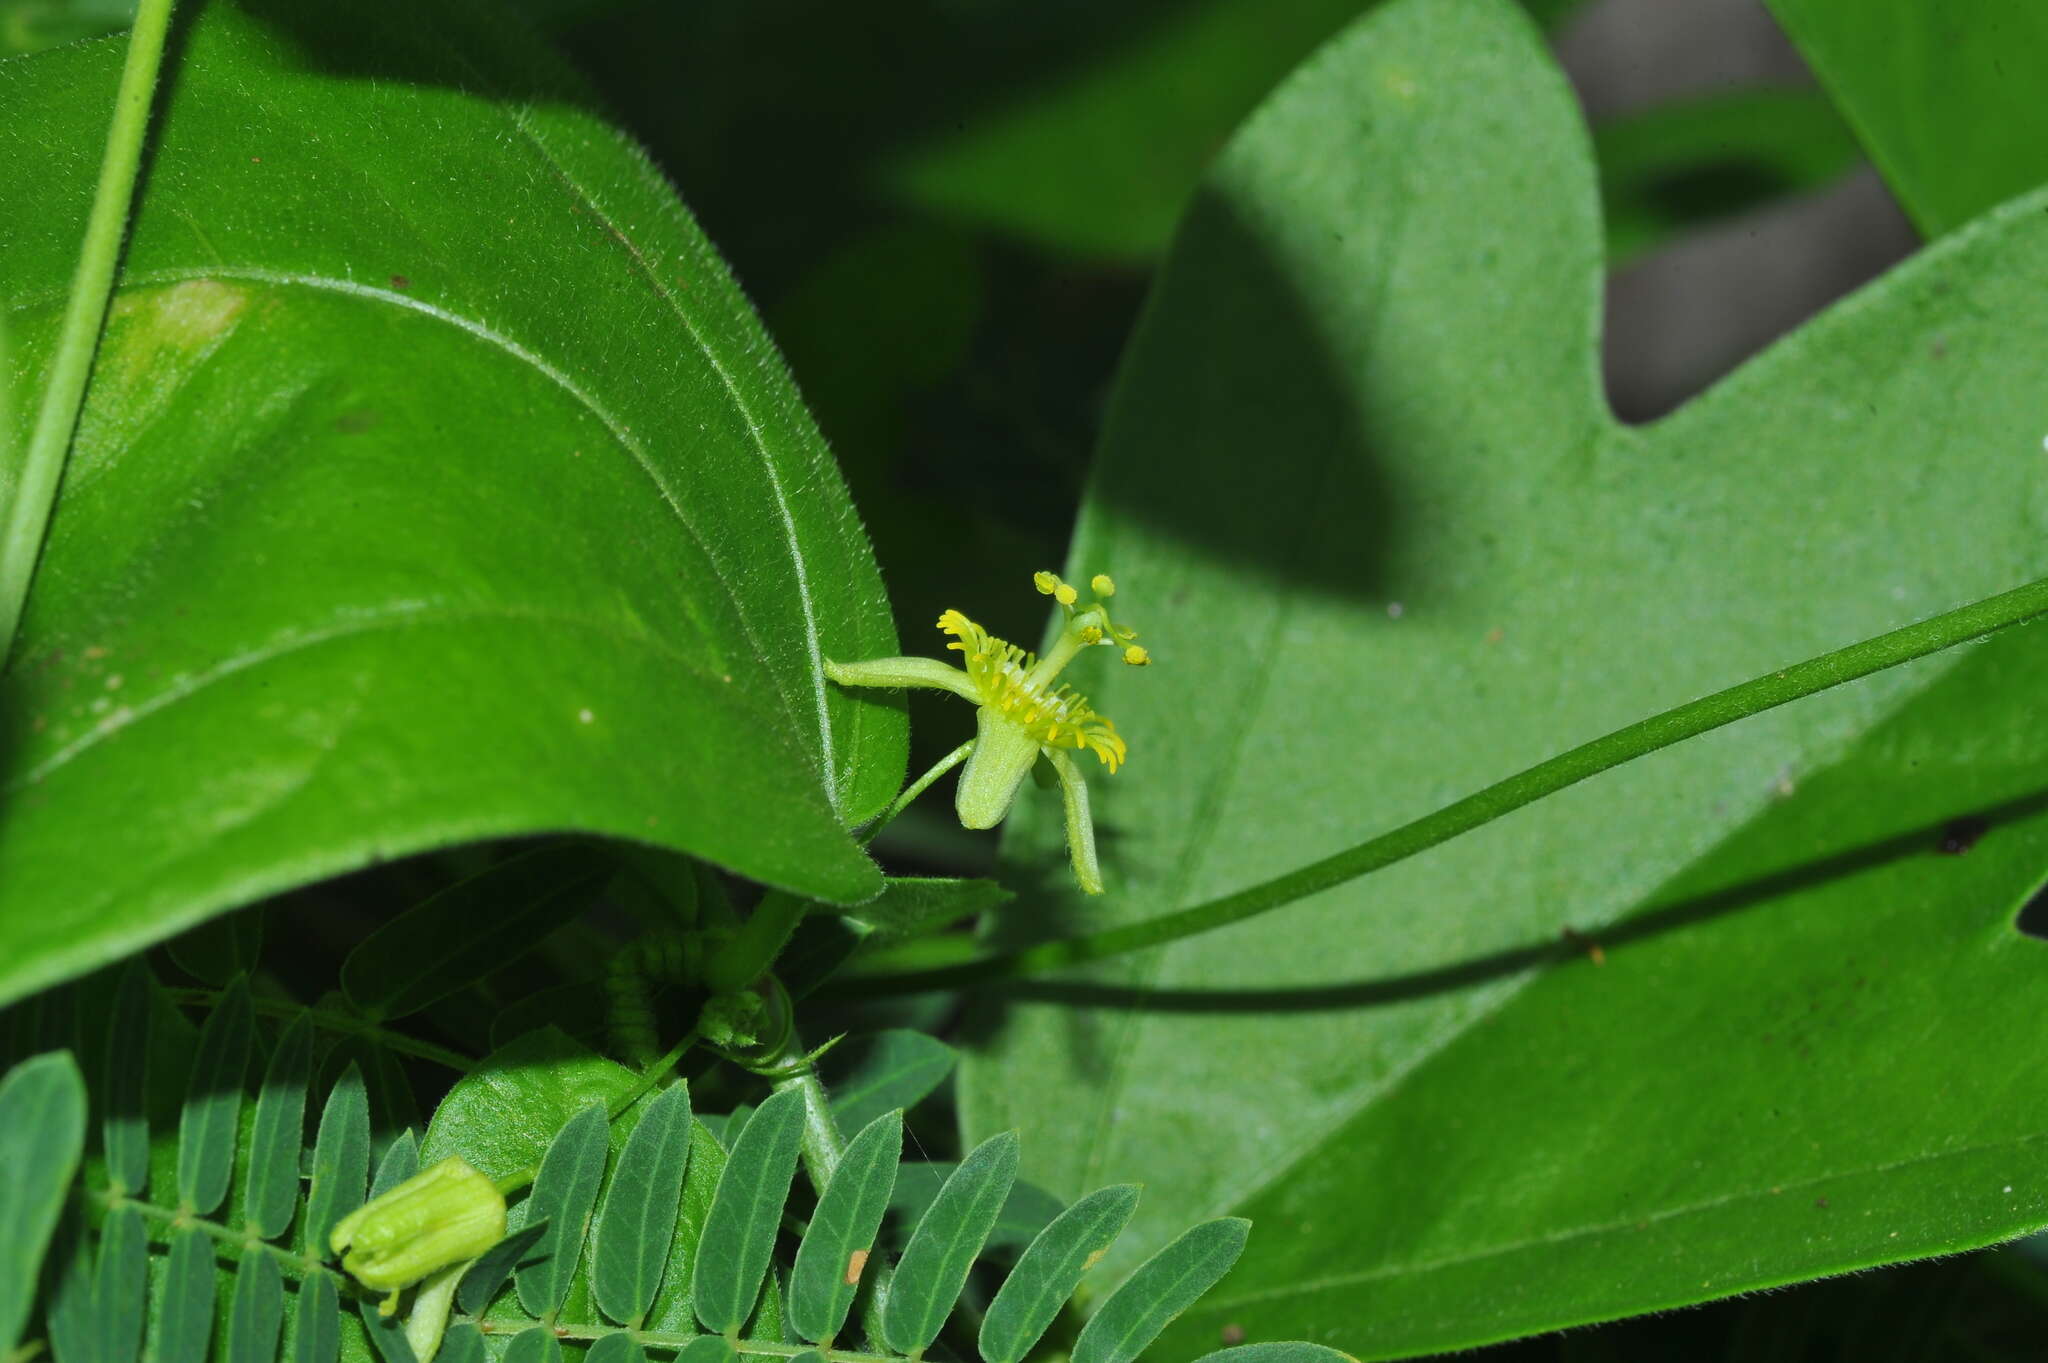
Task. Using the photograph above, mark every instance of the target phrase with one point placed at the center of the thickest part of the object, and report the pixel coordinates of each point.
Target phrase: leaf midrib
(393, 616)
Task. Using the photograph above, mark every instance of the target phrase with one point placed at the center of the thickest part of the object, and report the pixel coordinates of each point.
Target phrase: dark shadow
(1933, 839)
(2033, 916)
(1263, 455)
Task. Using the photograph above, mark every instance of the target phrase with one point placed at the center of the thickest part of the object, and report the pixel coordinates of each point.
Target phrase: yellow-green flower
(1021, 712)
(445, 1215)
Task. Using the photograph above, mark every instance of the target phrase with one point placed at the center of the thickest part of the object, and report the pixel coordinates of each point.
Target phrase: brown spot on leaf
(399, 281)
(1232, 1333)
(857, 1261)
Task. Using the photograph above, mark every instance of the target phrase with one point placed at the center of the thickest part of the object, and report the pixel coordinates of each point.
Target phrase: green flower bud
(442, 1216)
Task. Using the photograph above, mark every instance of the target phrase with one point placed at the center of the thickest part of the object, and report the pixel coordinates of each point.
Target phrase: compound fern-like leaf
(834, 1253)
(42, 1133)
(564, 1191)
(739, 1234)
(1165, 1285)
(210, 1125)
(278, 1133)
(1050, 1271)
(944, 1245)
(640, 1209)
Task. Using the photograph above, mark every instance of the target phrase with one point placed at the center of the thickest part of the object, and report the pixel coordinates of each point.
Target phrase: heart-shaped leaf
(435, 483)
(1387, 545)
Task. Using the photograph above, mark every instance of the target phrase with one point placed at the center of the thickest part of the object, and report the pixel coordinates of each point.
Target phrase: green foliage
(478, 925)
(948, 1237)
(1471, 1130)
(884, 1072)
(1944, 100)
(678, 516)
(42, 1129)
(841, 1237)
(436, 484)
(739, 1233)
(593, 1262)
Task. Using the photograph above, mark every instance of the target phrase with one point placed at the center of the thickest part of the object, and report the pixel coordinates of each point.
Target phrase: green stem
(243, 1242)
(917, 788)
(670, 1339)
(42, 467)
(1973, 621)
(748, 954)
(822, 1146)
(329, 1021)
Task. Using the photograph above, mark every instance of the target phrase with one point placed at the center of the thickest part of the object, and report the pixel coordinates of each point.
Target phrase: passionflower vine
(1022, 713)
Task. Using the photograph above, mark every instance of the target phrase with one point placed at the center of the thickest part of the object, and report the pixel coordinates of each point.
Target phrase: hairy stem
(1973, 621)
(42, 466)
(822, 1146)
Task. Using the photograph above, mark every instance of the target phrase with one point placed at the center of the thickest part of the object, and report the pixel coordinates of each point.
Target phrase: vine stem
(330, 1021)
(85, 312)
(1767, 692)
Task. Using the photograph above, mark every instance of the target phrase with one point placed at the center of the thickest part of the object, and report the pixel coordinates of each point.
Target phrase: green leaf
(316, 1322)
(1164, 1286)
(211, 1123)
(914, 906)
(640, 1208)
(124, 1083)
(185, 1320)
(739, 1233)
(505, 1113)
(601, 605)
(1288, 1351)
(464, 1343)
(279, 1132)
(120, 1286)
(1029, 1210)
(401, 1161)
(471, 928)
(1943, 101)
(835, 1250)
(706, 1349)
(1344, 1069)
(563, 1193)
(870, 1075)
(256, 1312)
(674, 1309)
(386, 1334)
(489, 1274)
(341, 1160)
(217, 951)
(537, 1345)
(942, 1248)
(619, 1348)
(1100, 157)
(1675, 166)
(42, 1131)
(1046, 1276)
(70, 1313)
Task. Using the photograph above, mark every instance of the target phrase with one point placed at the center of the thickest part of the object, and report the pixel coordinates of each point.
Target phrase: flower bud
(442, 1216)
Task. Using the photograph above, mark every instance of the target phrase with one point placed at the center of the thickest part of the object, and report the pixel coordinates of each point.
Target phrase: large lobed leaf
(1387, 544)
(435, 483)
